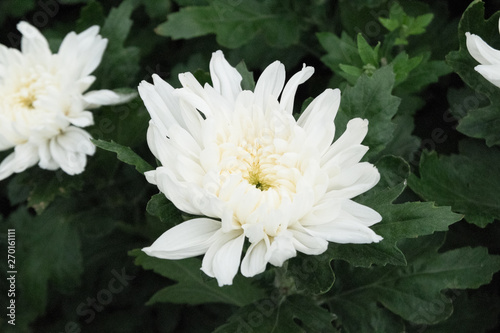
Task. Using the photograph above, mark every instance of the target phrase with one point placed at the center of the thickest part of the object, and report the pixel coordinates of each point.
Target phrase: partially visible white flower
(240, 158)
(488, 57)
(42, 101)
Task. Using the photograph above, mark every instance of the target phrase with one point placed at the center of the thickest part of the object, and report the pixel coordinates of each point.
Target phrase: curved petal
(481, 51)
(317, 119)
(225, 78)
(270, 84)
(69, 150)
(307, 243)
(345, 230)
(282, 248)
(23, 157)
(33, 42)
(97, 98)
(288, 95)
(185, 240)
(490, 73)
(255, 260)
(353, 181)
(222, 259)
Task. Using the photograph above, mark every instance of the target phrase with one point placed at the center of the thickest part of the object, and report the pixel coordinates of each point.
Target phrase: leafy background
(434, 135)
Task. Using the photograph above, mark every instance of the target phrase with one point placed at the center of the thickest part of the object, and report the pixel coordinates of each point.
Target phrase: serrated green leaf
(234, 24)
(311, 273)
(124, 154)
(368, 54)
(341, 50)
(164, 209)
(192, 287)
(412, 292)
(466, 181)
(296, 314)
(478, 123)
(370, 98)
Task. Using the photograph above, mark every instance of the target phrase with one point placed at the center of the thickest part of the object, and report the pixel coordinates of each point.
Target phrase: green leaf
(471, 313)
(481, 123)
(247, 82)
(47, 253)
(41, 187)
(341, 50)
(370, 98)
(399, 221)
(164, 209)
(91, 14)
(124, 154)
(467, 182)
(296, 314)
(311, 273)
(234, 24)
(367, 54)
(192, 287)
(120, 64)
(413, 292)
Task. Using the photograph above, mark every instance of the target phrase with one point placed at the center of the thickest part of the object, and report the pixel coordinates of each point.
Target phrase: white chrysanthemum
(488, 57)
(42, 105)
(241, 159)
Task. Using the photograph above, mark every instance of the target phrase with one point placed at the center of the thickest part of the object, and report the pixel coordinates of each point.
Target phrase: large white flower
(241, 159)
(488, 57)
(42, 105)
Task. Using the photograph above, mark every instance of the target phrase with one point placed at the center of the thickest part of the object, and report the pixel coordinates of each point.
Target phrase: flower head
(42, 102)
(240, 159)
(488, 57)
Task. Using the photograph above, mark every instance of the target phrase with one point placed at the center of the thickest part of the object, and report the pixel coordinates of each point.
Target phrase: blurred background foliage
(395, 64)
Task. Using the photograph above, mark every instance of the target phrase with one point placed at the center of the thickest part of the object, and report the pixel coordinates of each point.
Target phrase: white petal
(317, 119)
(490, 73)
(255, 259)
(82, 119)
(481, 51)
(97, 98)
(307, 243)
(345, 230)
(288, 95)
(354, 134)
(186, 240)
(33, 42)
(23, 157)
(222, 259)
(354, 181)
(270, 84)
(282, 248)
(225, 78)
(69, 150)
(363, 214)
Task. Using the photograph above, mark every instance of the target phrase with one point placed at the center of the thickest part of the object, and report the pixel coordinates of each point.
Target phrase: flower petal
(481, 51)
(222, 259)
(317, 119)
(490, 73)
(97, 98)
(185, 240)
(288, 95)
(23, 157)
(270, 84)
(255, 260)
(33, 42)
(225, 78)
